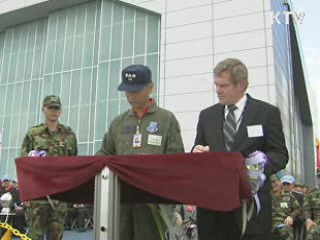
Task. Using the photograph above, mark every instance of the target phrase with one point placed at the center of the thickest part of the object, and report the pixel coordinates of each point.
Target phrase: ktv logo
(283, 17)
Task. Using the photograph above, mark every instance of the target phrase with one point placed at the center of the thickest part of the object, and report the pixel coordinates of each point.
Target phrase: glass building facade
(77, 53)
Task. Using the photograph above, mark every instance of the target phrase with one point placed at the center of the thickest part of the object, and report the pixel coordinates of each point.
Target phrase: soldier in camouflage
(47, 216)
(285, 208)
(311, 207)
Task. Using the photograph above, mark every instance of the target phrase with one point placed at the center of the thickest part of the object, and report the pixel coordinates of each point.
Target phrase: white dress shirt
(239, 111)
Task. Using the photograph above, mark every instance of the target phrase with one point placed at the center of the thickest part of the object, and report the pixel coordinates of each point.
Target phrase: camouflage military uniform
(311, 207)
(43, 218)
(284, 204)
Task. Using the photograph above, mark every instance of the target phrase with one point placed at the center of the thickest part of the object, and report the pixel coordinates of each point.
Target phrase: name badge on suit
(255, 131)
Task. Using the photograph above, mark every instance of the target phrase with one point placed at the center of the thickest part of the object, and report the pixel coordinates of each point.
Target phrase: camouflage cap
(274, 177)
(52, 100)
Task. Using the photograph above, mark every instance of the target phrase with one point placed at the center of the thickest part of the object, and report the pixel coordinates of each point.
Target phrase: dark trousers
(19, 223)
(223, 226)
(217, 225)
(137, 223)
(257, 237)
(16, 221)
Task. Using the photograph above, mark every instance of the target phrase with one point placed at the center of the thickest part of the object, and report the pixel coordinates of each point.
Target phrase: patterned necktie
(230, 127)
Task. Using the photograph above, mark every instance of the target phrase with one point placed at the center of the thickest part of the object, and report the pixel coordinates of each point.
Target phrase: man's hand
(25, 204)
(179, 220)
(200, 149)
(310, 224)
(288, 221)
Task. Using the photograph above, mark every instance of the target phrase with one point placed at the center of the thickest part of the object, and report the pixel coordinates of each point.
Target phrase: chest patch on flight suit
(284, 205)
(128, 129)
(153, 127)
(154, 140)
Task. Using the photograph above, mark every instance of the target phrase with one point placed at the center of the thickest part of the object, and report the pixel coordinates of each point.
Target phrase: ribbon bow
(255, 164)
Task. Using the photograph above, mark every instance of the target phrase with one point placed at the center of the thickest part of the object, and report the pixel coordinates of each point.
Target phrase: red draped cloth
(215, 181)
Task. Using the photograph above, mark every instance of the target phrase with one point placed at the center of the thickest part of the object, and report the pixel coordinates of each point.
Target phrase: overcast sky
(309, 32)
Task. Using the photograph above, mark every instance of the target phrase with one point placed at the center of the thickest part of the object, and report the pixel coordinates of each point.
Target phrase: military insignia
(130, 77)
(44, 135)
(128, 129)
(37, 153)
(153, 127)
(286, 199)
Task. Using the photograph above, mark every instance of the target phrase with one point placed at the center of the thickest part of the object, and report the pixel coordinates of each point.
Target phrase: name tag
(154, 139)
(284, 205)
(255, 131)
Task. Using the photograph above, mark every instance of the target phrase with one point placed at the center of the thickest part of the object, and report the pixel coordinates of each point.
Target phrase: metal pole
(115, 218)
(106, 206)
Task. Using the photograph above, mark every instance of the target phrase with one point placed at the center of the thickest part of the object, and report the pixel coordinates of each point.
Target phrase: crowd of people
(295, 210)
(18, 220)
(78, 217)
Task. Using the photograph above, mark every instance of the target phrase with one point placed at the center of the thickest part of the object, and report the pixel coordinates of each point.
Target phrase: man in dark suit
(240, 123)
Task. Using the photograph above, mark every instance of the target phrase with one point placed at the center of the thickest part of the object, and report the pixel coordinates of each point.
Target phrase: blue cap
(287, 179)
(135, 78)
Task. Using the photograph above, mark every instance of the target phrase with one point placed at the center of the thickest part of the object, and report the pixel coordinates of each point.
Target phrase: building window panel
(128, 33)
(153, 32)
(1, 49)
(77, 53)
(47, 85)
(2, 100)
(139, 33)
(3, 162)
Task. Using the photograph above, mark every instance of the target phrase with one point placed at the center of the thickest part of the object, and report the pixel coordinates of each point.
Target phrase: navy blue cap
(135, 78)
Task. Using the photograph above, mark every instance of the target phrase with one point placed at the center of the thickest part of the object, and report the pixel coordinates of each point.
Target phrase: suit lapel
(220, 137)
(249, 114)
(216, 124)
(218, 127)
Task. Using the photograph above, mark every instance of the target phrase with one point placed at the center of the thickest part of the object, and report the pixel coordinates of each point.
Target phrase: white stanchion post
(106, 206)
